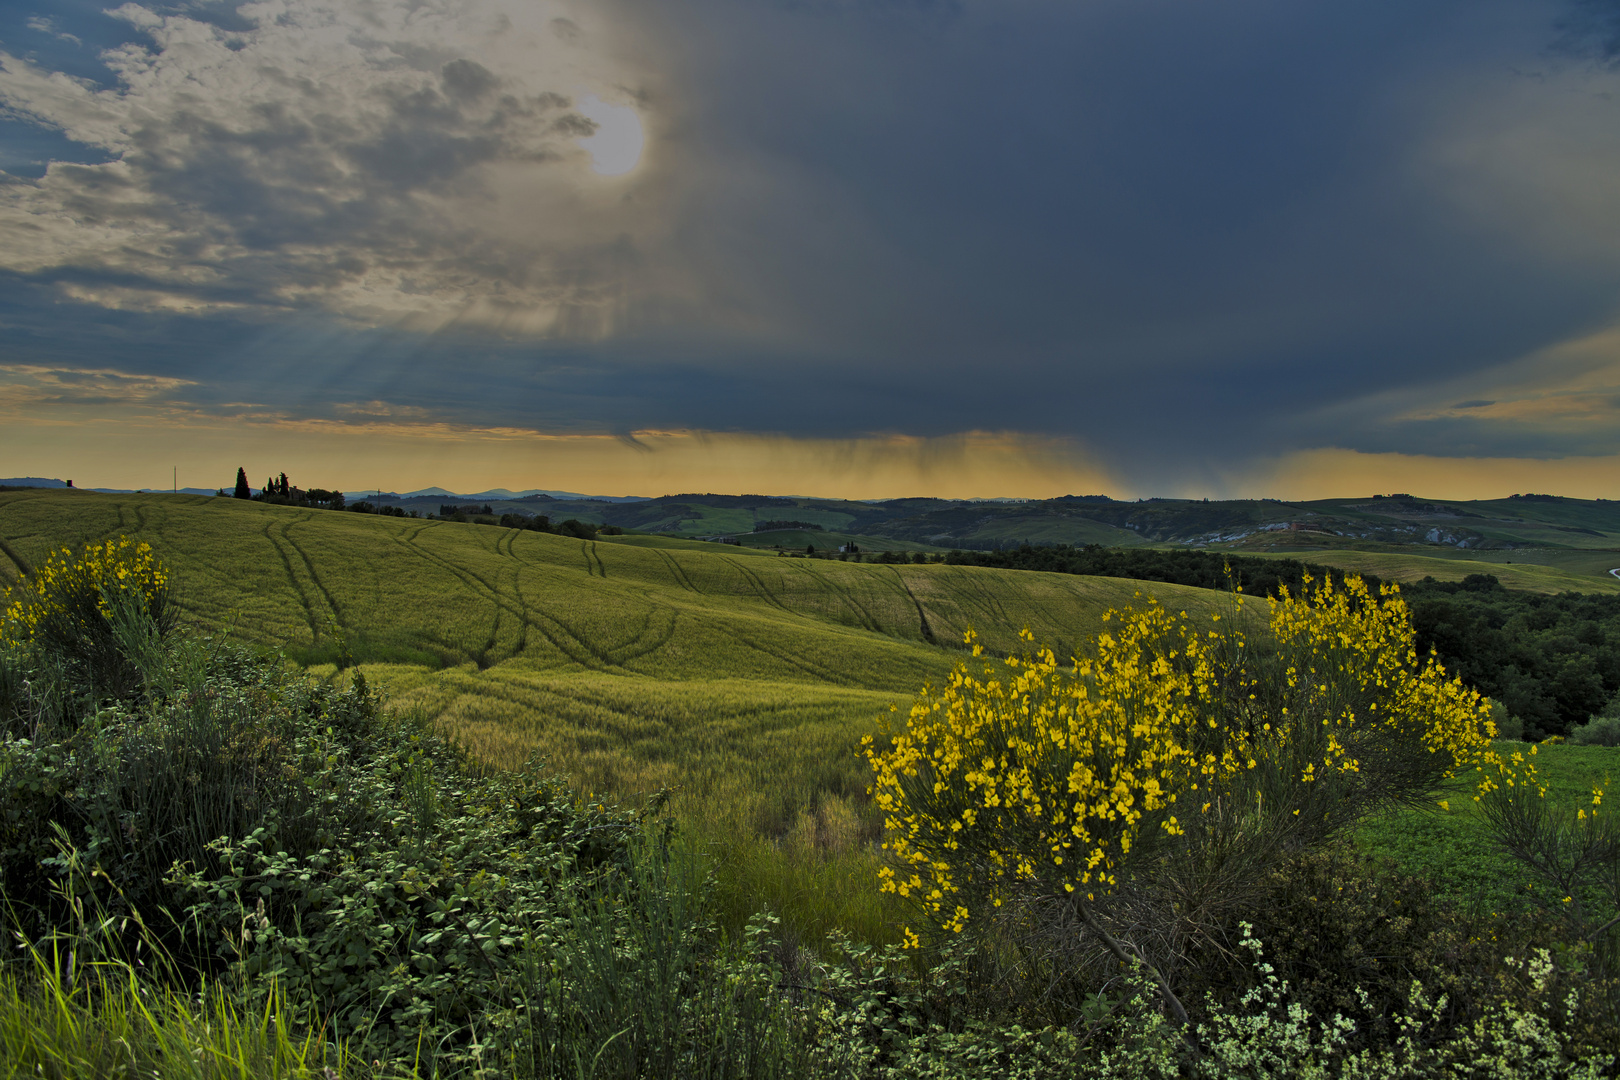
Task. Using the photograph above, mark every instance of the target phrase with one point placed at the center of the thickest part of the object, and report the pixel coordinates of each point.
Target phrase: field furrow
(271, 528)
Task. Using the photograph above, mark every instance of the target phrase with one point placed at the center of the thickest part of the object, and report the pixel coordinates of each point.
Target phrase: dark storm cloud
(1222, 217)
(1176, 231)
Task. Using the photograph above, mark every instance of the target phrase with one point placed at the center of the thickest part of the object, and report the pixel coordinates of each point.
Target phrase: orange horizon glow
(407, 457)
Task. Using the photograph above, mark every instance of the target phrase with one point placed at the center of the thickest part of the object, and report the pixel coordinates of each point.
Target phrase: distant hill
(1440, 528)
(1379, 521)
(493, 494)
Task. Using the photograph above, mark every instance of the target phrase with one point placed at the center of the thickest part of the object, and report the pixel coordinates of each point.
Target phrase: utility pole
(177, 479)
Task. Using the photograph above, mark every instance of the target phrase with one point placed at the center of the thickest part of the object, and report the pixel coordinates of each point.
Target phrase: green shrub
(886, 1020)
(1370, 944)
(319, 855)
(1599, 731)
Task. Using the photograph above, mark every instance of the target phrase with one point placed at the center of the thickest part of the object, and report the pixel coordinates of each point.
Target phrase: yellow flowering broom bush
(90, 610)
(1127, 803)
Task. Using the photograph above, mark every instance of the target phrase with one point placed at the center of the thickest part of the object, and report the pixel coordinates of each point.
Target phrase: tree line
(279, 491)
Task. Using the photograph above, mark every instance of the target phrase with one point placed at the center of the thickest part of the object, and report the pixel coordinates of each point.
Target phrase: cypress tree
(242, 489)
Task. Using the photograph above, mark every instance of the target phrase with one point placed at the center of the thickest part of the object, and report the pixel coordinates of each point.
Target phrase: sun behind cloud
(616, 146)
(392, 164)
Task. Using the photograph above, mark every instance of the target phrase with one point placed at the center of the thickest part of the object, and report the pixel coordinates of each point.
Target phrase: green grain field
(739, 680)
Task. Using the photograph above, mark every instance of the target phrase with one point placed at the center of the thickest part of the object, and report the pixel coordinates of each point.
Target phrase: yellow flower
(995, 775)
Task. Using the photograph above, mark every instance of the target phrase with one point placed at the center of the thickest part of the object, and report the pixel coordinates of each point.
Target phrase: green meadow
(1452, 846)
(738, 679)
(741, 681)
(1541, 570)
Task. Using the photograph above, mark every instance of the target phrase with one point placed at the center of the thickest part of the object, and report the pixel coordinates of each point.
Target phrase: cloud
(1337, 473)
(45, 25)
(33, 385)
(368, 411)
(1557, 401)
(389, 162)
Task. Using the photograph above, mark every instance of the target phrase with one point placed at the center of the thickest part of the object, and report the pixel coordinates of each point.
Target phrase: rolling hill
(741, 679)
(738, 678)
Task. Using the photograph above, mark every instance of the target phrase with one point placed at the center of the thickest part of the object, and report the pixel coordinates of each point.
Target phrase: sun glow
(616, 146)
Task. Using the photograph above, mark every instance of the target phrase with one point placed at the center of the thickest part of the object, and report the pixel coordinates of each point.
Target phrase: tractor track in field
(760, 588)
(788, 658)
(511, 544)
(581, 651)
(523, 605)
(477, 583)
(314, 576)
(861, 612)
(927, 631)
(637, 648)
(22, 564)
(992, 604)
(298, 589)
(594, 566)
(482, 659)
(676, 571)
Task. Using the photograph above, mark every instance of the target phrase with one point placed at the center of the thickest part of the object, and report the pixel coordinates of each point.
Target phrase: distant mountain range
(41, 482)
(32, 481)
(496, 494)
(501, 494)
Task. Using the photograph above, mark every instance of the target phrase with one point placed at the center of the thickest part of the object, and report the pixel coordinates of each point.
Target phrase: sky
(856, 248)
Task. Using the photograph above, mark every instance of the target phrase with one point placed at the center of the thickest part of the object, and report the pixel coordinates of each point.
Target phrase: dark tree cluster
(916, 557)
(279, 491)
(583, 530)
(773, 526)
(1200, 569)
(1553, 661)
(366, 507)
